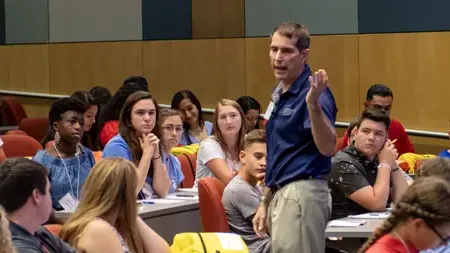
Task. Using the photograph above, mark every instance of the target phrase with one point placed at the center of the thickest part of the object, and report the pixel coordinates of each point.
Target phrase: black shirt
(25, 242)
(350, 171)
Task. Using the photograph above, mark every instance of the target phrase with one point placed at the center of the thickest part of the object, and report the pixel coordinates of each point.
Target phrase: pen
(180, 195)
(147, 202)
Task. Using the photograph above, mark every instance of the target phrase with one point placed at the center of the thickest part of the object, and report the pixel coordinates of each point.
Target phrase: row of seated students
(105, 220)
(142, 125)
(106, 217)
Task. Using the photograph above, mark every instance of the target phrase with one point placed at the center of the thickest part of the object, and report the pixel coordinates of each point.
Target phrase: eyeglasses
(445, 239)
(169, 129)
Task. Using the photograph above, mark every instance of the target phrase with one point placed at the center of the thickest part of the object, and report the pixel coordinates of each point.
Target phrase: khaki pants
(298, 217)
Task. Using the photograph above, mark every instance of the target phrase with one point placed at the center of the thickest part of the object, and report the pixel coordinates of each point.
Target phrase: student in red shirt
(380, 96)
(419, 221)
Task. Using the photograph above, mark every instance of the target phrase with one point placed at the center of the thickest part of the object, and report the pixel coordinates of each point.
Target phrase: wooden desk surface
(364, 231)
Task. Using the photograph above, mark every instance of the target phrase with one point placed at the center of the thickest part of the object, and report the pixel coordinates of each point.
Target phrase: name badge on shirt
(269, 111)
(68, 202)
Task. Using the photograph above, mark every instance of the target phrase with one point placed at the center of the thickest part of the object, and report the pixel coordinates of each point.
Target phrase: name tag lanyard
(67, 172)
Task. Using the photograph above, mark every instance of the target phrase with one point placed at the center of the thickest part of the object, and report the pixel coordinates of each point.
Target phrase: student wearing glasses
(419, 221)
(170, 129)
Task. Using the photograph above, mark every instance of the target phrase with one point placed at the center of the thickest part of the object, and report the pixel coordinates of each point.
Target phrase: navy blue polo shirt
(291, 152)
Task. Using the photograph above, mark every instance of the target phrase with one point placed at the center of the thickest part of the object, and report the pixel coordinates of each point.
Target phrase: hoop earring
(57, 137)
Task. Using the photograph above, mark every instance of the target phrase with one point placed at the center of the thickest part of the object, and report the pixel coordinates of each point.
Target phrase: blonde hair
(427, 198)
(6, 245)
(109, 189)
(216, 130)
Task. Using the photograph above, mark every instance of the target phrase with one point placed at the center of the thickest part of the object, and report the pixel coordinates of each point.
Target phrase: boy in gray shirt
(242, 195)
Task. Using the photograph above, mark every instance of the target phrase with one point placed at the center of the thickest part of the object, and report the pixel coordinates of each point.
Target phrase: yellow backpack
(189, 149)
(208, 243)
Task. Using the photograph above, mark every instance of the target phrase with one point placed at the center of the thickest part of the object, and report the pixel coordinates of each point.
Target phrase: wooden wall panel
(338, 55)
(76, 66)
(218, 19)
(24, 68)
(212, 69)
(260, 78)
(415, 66)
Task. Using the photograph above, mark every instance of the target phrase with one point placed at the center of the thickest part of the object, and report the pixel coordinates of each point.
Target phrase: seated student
(170, 129)
(242, 195)
(90, 136)
(25, 191)
(361, 174)
(350, 133)
(101, 94)
(107, 219)
(138, 142)
(437, 167)
(251, 109)
(218, 155)
(380, 97)
(419, 221)
(6, 245)
(109, 117)
(90, 133)
(195, 128)
(67, 161)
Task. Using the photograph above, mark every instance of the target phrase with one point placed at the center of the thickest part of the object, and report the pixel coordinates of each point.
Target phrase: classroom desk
(364, 231)
(167, 219)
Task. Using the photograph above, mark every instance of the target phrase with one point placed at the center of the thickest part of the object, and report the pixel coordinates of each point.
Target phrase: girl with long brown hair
(106, 219)
(218, 154)
(138, 142)
(419, 221)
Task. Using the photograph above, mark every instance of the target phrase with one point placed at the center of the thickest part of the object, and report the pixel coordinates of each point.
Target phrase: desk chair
(210, 191)
(16, 145)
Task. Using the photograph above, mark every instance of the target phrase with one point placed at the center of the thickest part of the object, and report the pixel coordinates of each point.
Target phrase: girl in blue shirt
(138, 142)
(170, 129)
(67, 161)
(195, 128)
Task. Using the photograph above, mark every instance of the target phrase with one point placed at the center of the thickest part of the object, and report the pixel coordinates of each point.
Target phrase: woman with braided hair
(419, 221)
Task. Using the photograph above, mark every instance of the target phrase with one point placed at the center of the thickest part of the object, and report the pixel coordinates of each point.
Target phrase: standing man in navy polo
(300, 142)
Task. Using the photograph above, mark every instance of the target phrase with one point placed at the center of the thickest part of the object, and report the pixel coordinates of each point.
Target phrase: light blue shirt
(78, 168)
(187, 138)
(117, 147)
(175, 174)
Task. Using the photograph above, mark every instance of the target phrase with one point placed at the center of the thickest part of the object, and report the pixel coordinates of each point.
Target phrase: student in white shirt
(218, 155)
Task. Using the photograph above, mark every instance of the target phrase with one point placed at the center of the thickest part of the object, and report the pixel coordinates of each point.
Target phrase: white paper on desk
(232, 242)
(181, 197)
(346, 223)
(193, 190)
(382, 215)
